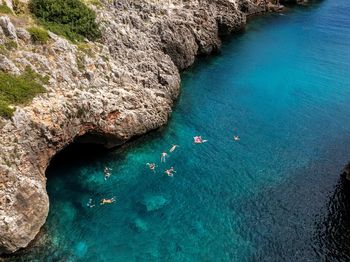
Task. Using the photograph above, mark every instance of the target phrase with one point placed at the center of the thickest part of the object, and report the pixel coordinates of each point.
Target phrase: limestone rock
(23, 34)
(8, 28)
(7, 65)
(8, 3)
(2, 36)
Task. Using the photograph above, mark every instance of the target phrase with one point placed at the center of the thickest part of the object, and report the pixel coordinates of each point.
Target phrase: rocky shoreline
(105, 92)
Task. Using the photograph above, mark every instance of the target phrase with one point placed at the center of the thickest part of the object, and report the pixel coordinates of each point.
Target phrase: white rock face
(8, 28)
(113, 90)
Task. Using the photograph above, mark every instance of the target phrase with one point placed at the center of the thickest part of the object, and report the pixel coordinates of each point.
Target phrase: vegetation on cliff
(38, 35)
(4, 9)
(20, 89)
(69, 18)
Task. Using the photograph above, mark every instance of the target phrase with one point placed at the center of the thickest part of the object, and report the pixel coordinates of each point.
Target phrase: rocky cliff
(106, 92)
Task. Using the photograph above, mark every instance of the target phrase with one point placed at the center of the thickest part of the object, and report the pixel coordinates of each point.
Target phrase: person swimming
(173, 148)
(170, 172)
(107, 169)
(152, 166)
(163, 157)
(199, 140)
(107, 201)
(89, 204)
(236, 138)
(107, 173)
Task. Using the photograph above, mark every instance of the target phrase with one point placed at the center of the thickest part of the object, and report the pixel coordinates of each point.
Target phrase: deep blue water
(276, 195)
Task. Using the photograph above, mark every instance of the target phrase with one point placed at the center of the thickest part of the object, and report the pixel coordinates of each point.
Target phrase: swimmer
(170, 172)
(199, 140)
(163, 157)
(89, 204)
(236, 138)
(173, 148)
(107, 169)
(152, 166)
(107, 201)
(107, 175)
(107, 172)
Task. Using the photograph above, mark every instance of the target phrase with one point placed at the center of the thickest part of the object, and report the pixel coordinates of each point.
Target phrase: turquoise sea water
(276, 195)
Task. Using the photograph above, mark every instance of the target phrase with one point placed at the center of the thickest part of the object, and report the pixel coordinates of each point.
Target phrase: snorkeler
(236, 138)
(173, 148)
(163, 157)
(107, 201)
(152, 166)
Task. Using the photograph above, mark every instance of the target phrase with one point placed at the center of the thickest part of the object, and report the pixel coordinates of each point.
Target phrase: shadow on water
(304, 218)
(333, 232)
(77, 154)
(294, 230)
(81, 154)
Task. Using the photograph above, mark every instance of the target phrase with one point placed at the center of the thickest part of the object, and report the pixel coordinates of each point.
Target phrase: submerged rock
(154, 202)
(140, 225)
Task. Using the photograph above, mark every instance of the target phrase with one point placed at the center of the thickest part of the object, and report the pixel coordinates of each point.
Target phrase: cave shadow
(79, 154)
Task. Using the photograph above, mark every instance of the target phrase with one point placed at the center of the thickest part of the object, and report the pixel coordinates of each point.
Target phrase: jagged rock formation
(104, 92)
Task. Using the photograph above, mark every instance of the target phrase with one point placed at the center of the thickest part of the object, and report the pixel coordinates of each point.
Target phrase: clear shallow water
(275, 195)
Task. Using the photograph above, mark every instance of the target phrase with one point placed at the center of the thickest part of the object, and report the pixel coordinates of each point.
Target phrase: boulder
(8, 28)
(23, 34)
(8, 66)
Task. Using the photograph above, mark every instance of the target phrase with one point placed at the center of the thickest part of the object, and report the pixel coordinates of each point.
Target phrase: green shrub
(86, 49)
(10, 45)
(15, 90)
(94, 2)
(38, 35)
(5, 109)
(4, 9)
(69, 18)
